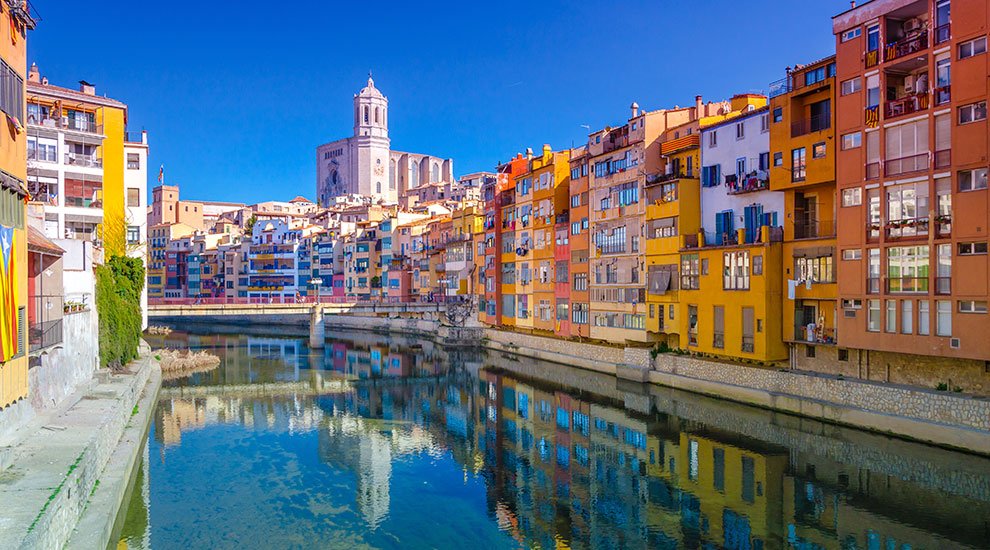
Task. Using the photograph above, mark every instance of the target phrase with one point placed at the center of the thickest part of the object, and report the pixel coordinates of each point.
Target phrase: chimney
(547, 149)
(634, 108)
(529, 153)
(697, 106)
(852, 4)
(34, 75)
(87, 88)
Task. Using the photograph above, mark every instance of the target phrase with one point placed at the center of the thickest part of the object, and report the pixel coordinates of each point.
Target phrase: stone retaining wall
(921, 404)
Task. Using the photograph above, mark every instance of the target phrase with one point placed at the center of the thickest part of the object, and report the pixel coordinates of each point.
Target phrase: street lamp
(316, 282)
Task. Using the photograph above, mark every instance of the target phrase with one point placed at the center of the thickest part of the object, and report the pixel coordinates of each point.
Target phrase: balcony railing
(943, 33)
(904, 165)
(66, 123)
(748, 344)
(872, 59)
(943, 226)
(943, 285)
(907, 285)
(750, 183)
(814, 124)
(911, 103)
(818, 335)
(45, 329)
(943, 158)
(906, 46)
(906, 228)
(872, 116)
(43, 155)
(943, 94)
(873, 285)
(814, 229)
(718, 340)
(76, 159)
(872, 170)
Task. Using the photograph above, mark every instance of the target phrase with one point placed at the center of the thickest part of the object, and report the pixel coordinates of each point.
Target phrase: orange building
(578, 244)
(912, 181)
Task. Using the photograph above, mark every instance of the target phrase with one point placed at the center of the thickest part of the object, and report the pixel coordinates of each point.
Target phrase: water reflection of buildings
(569, 466)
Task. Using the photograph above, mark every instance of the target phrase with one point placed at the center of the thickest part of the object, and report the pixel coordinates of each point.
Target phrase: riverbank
(940, 418)
(74, 463)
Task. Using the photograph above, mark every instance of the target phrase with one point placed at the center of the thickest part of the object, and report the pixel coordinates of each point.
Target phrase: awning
(39, 243)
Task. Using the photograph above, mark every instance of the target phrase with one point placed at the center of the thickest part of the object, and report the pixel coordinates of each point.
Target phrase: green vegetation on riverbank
(118, 301)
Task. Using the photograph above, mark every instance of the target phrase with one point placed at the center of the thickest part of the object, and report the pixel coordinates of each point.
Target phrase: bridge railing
(301, 300)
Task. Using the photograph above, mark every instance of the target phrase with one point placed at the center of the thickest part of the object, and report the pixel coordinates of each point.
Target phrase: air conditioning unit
(954, 343)
(909, 84)
(912, 24)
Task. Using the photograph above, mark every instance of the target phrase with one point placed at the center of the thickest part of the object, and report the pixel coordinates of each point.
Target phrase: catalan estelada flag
(161, 173)
(8, 294)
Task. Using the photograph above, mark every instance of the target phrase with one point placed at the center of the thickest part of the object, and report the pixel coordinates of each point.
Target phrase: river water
(392, 442)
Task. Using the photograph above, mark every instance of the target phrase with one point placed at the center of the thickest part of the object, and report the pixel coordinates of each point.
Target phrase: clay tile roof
(38, 242)
(301, 199)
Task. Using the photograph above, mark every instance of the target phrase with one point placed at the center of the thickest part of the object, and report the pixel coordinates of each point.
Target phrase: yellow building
(76, 162)
(802, 116)
(13, 214)
(550, 173)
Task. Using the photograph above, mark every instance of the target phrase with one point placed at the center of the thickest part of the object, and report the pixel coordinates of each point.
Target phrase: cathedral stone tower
(372, 143)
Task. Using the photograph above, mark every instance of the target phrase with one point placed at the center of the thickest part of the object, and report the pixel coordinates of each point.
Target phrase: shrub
(118, 302)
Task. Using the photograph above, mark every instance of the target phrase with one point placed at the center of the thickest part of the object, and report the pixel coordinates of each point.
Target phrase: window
(852, 197)
(969, 249)
(818, 150)
(907, 269)
(133, 161)
(740, 130)
(852, 140)
(740, 167)
(580, 282)
(943, 318)
(713, 138)
(690, 275)
(815, 269)
(907, 317)
(133, 197)
(764, 123)
(924, 322)
(852, 254)
(764, 162)
(973, 47)
(972, 306)
(758, 265)
(778, 159)
(133, 234)
(973, 112)
(971, 180)
(851, 86)
(851, 34)
(735, 270)
(798, 164)
(873, 90)
(873, 316)
(852, 304)
(11, 93)
(778, 114)
(814, 76)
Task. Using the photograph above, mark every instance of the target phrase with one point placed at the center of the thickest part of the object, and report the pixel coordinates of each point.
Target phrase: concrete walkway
(56, 463)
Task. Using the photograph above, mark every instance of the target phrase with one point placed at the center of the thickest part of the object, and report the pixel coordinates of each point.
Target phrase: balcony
(943, 33)
(872, 59)
(910, 103)
(85, 194)
(943, 226)
(818, 335)
(906, 165)
(65, 123)
(816, 123)
(679, 144)
(86, 161)
(814, 229)
(872, 116)
(46, 154)
(907, 285)
(749, 183)
(906, 46)
(45, 328)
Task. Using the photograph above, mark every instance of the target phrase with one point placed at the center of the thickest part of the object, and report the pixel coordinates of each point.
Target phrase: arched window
(435, 173)
(378, 187)
(376, 115)
(366, 114)
(414, 174)
(391, 175)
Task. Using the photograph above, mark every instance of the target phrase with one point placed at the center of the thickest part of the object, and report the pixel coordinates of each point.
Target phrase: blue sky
(236, 100)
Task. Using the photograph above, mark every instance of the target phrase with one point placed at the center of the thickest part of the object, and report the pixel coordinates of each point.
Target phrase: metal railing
(77, 159)
(906, 46)
(942, 94)
(873, 285)
(718, 340)
(813, 124)
(943, 33)
(748, 344)
(813, 229)
(820, 335)
(46, 329)
(943, 158)
(904, 165)
(43, 155)
(872, 170)
(910, 103)
(906, 228)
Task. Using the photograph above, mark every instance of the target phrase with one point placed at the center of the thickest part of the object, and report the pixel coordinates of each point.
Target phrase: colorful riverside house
(911, 175)
(621, 161)
(730, 285)
(523, 240)
(466, 222)
(550, 172)
(577, 246)
(13, 216)
(803, 152)
(496, 193)
(507, 268)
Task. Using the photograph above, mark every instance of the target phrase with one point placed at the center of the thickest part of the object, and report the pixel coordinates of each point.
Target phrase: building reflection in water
(571, 465)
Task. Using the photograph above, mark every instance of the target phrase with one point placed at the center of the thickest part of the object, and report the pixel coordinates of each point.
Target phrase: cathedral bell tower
(370, 112)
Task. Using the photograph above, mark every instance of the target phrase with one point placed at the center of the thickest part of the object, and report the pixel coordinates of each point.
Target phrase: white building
(364, 163)
(136, 185)
(735, 180)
